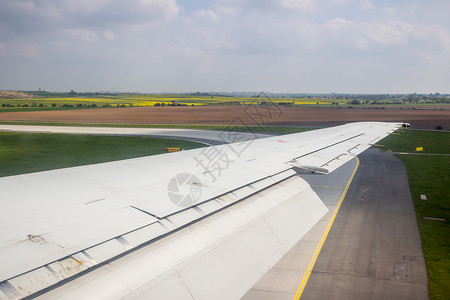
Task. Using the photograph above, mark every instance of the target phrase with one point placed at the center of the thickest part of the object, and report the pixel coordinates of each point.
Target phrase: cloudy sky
(315, 46)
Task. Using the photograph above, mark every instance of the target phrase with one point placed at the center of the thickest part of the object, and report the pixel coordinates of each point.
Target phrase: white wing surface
(58, 225)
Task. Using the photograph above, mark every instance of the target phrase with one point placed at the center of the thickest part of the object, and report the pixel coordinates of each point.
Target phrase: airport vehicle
(198, 224)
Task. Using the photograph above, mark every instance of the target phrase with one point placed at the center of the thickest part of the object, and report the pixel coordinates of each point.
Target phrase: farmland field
(57, 101)
(129, 100)
(244, 115)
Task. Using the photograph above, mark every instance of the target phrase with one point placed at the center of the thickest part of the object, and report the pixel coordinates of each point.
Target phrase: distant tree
(356, 102)
(53, 104)
(412, 98)
(439, 127)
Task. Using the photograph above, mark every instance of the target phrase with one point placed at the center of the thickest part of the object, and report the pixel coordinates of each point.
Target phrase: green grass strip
(22, 153)
(408, 140)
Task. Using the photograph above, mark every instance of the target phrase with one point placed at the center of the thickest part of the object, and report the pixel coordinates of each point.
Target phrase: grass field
(409, 140)
(31, 152)
(430, 176)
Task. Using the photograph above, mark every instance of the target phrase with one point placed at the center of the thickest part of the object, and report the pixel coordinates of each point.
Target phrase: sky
(279, 46)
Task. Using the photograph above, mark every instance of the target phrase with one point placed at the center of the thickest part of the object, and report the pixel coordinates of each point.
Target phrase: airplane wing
(194, 224)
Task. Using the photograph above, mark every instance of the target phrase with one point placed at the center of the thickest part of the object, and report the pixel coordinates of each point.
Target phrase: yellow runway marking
(305, 278)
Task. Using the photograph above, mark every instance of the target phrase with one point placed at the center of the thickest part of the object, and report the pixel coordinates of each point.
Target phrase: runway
(373, 250)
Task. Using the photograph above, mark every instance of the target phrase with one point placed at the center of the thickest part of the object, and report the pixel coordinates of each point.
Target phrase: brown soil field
(237, 115)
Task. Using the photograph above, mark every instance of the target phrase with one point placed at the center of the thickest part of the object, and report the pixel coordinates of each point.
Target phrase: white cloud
(24, 6)
(227, 10)
(435, 37)
(337, 23)
(207, 14)
(393, 33)
(366, 4)
(28, 51)
(84, 6)
(444, 37)
(390, 10)
(18, 50)
(85, 35)
(363, 34)
(362, 4)
(361, 42)
(168, 8)
(191, 53)
(108, 35)
(309, 5)
(234, 6)
(339, 1)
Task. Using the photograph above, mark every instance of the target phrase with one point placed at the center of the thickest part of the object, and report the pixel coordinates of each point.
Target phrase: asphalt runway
(373, 250)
